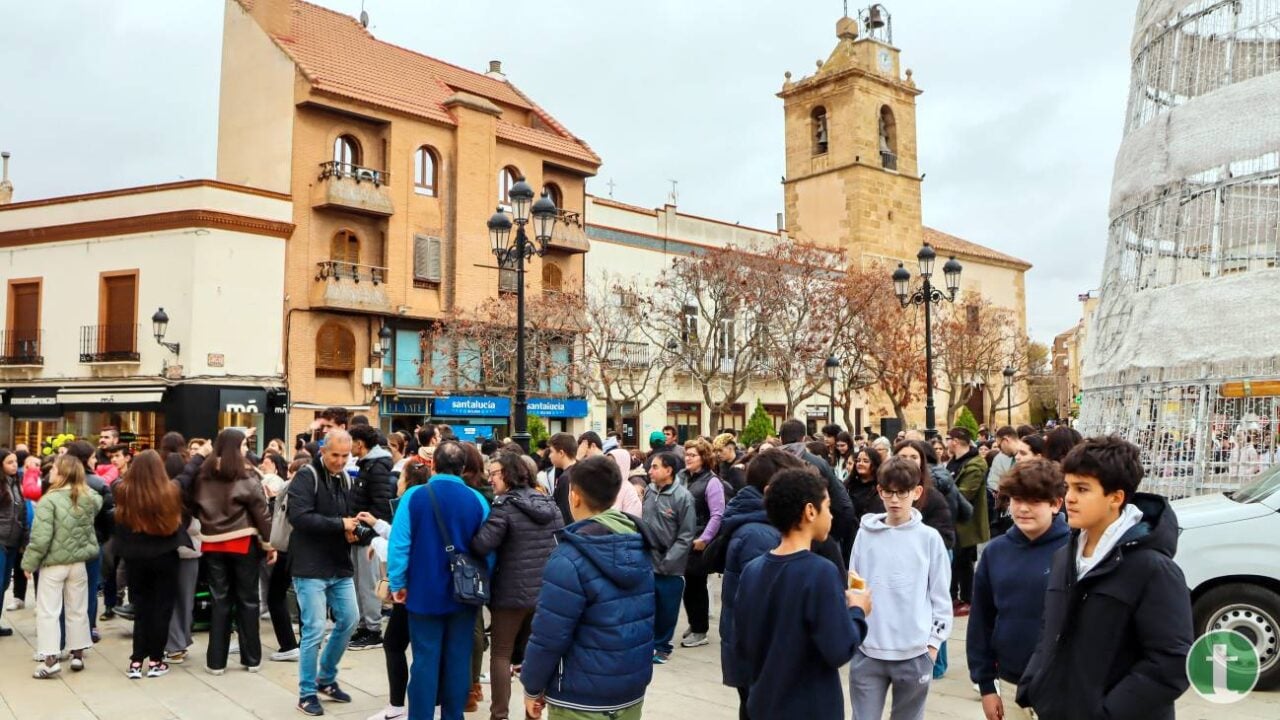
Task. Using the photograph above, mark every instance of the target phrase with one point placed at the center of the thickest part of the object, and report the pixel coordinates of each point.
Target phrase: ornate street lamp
(517, 251)
(1008, 373)
(159, 326)
(831, 367)
(927, 295)
(384, 342)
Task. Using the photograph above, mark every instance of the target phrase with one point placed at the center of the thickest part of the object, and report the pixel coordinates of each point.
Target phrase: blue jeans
(441, 670)
(94, 570)
(667, 592)
(8, 556)
(315, 595)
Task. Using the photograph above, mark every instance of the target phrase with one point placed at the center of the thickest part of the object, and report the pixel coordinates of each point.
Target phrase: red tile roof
(340, 57)
(946, 243)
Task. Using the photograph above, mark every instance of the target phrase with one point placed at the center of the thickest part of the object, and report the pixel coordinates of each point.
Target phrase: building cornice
(157, 222)
(143, 189)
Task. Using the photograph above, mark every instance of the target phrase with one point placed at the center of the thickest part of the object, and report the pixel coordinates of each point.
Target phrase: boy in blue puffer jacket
(590, 652)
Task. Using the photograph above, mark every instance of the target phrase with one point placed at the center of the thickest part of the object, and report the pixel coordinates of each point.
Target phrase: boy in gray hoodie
(905, 563)
(669, 526)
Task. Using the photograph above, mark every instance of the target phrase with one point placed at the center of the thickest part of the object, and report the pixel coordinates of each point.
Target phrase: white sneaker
(285, 655)
(15, 604)
(211, 671)
(390, 712)
(40, 658)
(234, 649)
(253, 668)
(43, 671)
(695, 640)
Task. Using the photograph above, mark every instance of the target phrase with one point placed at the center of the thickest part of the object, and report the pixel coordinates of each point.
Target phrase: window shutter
(426, 258)
(335, 349)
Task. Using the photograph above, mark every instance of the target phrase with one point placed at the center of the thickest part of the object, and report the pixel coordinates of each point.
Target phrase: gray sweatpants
(870, 680)
(366, 581)
(180, 623)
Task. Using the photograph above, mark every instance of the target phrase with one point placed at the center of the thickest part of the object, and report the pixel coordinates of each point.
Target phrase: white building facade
(84, 277)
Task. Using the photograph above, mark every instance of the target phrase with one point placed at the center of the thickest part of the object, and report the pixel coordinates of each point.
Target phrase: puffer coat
(521, 528)
(62, 533)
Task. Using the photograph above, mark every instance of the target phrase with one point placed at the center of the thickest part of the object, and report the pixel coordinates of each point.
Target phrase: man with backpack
(970, 473)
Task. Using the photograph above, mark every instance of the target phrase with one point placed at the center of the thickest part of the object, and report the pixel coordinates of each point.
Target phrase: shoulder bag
(470, 577)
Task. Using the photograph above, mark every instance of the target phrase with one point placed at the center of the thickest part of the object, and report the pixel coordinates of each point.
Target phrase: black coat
(843, 522)
(373, 489)
(1115, 642)
(521, 528)
(318, 501)
(938, 516)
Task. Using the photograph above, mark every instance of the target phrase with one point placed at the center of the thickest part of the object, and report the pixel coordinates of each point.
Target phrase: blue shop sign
(404, 406)
(471, 406)
(558, 407)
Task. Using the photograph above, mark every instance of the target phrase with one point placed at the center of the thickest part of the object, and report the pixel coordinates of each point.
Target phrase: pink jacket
(31, 489)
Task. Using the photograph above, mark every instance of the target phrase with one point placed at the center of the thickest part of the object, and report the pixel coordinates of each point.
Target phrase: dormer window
(820, 134)
(888, 139)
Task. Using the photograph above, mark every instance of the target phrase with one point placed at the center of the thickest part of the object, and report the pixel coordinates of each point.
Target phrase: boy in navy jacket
(802, 623)
(590, 653)
(1117, 614)
(1009, 588)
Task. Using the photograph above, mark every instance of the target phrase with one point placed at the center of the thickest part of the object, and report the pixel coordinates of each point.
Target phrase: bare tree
(709, 312)
(889, 338)
(621, 365)
(973, 342)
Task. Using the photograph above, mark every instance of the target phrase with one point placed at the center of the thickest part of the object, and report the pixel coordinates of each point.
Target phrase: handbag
(470, 578)
(281, 528)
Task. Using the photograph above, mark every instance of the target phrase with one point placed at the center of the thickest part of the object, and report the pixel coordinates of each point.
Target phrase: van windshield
(1263, 486)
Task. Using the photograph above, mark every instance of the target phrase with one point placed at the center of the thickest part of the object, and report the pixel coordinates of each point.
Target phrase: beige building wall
(301, 121)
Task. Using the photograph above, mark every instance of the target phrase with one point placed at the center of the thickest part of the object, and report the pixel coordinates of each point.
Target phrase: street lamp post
(927, 295)
(1008, 392)
(518, 251)
(831, 367)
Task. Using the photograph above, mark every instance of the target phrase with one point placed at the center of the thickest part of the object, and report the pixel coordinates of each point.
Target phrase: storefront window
(687, 419)
(244, 422)
(32, 433)
(141, 429)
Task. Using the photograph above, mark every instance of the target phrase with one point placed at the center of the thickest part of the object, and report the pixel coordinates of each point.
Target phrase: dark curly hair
(789, 493)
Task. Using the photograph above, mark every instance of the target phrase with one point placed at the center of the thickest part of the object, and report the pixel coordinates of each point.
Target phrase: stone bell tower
(852, 179)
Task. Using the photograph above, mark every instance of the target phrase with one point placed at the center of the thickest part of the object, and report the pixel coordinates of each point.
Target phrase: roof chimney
(495, 71)
(274, 16)
(6, 187)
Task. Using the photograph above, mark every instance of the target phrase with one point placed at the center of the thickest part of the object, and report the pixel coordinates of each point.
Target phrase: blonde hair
(70, 474)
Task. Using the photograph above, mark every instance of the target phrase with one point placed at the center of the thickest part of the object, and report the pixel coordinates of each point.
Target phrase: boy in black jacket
(802, 624)
(1117, 617)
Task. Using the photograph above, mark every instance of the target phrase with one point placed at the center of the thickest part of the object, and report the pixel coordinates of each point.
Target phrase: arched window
(888, 139)
(425, 164)
(345, 247)
(507, 177)
(820, 135)
(346, 150)
(335, 350)
(552, 278)
(556, 195)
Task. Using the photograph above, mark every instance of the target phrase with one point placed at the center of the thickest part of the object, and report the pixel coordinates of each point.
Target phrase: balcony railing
(348, 286)
(335, 169)
(352, 187)
(340, 270)
(888, 160)
(630, 354)
(569, 235)
(20, 347)
(109, 344)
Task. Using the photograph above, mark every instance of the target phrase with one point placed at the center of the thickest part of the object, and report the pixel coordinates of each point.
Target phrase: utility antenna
(364, 16)
(846, 8)
(674, 194)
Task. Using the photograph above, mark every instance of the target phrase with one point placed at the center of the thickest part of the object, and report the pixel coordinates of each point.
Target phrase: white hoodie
(909, 576)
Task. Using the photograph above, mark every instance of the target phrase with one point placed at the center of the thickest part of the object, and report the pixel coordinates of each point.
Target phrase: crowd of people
(570, 565)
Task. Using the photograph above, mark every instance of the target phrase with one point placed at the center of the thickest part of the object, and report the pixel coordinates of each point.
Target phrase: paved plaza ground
(687, 688)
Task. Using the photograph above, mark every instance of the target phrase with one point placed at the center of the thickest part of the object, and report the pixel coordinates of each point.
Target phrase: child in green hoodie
(589, 654)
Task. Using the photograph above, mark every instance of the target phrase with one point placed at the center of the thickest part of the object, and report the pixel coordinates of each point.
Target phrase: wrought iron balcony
(109, 344)
(349, 286)
(352, 187)
(630, 354)
(888, 160)
(20, 348)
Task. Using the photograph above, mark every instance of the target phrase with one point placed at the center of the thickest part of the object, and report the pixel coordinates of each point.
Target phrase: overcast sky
(1018, 124)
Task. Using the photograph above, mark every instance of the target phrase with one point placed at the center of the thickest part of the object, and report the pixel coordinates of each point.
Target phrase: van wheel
(1252, 611)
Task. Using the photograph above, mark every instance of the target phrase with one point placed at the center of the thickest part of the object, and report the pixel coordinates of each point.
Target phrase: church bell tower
(852, 178)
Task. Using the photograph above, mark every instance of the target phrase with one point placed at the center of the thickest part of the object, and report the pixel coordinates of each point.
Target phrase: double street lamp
(517, 251)
(927, 295)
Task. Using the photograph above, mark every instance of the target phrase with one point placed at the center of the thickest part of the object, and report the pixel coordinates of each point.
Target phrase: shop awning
(110, 396)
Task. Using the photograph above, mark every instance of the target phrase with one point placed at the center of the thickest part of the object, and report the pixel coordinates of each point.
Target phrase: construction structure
(1184, 359)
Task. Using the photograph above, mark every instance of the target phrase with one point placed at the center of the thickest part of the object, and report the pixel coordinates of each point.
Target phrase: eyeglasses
(899, 494)
(495, 473)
